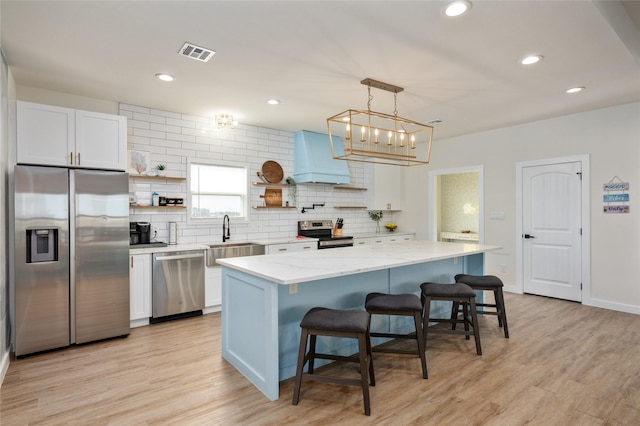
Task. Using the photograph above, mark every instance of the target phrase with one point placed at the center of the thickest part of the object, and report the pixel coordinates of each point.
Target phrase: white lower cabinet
(291, 247)
(400, 238)
(212, 288)
(379, 239)
(140, 288)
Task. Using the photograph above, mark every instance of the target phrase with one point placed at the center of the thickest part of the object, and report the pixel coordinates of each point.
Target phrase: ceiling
(312, 55)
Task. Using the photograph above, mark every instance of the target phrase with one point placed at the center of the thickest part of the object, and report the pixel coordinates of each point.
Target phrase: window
(216, 190)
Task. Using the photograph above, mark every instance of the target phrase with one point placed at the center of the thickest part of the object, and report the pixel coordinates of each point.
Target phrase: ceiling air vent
(196, 52)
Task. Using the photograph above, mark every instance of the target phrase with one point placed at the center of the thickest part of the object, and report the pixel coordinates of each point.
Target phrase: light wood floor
(565, 364)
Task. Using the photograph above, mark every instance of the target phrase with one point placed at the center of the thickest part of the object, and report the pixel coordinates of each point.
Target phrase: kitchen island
(265, 297)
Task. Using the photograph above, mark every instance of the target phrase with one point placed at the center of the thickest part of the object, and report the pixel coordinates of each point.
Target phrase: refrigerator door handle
(180, 256)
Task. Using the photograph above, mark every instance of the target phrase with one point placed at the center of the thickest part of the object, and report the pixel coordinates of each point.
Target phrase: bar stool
(491, 283)
(408, 305)
(456, 293)
(337, 323)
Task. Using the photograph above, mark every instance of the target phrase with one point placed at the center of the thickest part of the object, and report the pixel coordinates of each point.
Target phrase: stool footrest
(394, 351)
(343, 358)
(411, 336)
(332, 379)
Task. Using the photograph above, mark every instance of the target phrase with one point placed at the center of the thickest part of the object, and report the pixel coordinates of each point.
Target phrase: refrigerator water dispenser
(42, 245)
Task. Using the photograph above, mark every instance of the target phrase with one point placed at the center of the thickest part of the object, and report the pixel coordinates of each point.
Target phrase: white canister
(173, 233)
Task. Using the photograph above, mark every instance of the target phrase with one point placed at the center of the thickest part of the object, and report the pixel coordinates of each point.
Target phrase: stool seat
(335, 323)
(408, 305)
(458, 294)
(393, 302)
(447, 290)
(489, 283)
(336, 320)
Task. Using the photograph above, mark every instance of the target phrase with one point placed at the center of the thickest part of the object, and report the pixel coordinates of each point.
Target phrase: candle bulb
(389, 140)
(413, 142)
(401, 140)
(348, 137)
(362, 137)
(376, 133)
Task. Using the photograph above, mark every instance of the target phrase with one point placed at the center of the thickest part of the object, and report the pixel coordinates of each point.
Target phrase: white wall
(610, 136)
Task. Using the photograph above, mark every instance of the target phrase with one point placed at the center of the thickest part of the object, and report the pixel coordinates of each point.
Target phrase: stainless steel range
(323, 231)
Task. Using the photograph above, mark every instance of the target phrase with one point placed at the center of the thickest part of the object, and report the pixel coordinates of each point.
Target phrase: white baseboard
(621, 307)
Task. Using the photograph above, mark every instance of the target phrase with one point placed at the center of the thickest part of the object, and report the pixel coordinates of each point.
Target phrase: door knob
(527, 236)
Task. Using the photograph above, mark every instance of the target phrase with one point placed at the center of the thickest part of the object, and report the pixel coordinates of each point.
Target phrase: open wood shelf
(164, 178)
(158, 207)
(350, 207)
(277, 185)
(350, 188)
(273, 207)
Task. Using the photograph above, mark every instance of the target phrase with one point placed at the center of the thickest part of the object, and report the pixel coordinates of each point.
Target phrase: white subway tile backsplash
(172, 138)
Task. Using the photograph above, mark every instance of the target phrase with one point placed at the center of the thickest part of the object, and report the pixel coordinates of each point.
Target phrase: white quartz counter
(298, 267)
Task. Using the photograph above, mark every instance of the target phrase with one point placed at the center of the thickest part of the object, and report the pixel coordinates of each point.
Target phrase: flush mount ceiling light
(575, 90)
(165, 77)
(457, 8)
(530, 60)
(375, 137)
(273, 101)
(225, 121)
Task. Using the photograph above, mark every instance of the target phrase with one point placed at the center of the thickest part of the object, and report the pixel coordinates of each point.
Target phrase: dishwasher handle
(180, 256)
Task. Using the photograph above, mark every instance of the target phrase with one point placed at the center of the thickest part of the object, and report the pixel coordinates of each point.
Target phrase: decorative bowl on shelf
(391, 226)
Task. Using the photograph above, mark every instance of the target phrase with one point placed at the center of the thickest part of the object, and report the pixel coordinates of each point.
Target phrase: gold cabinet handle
(131, 262)
(71, 158)
(78, 159)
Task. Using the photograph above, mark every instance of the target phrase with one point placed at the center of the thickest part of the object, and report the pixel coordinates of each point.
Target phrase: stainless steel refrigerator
(71, 257)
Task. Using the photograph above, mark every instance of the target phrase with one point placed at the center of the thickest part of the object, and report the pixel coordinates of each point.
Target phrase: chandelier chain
(370, 98)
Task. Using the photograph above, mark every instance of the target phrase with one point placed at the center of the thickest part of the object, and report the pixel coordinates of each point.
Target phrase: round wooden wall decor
(272, 172)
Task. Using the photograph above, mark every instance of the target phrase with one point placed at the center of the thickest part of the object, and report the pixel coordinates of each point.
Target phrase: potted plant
(377, 217)
(162, 169)
(293, 190)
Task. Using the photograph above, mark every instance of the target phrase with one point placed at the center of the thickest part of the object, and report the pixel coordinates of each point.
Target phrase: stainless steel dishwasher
(178, 284)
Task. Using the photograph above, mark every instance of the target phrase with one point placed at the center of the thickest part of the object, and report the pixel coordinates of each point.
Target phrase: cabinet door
(388, 187)
(45, 134)
(140, 285)
(101, 141)
(361, 241)
(212, 286)
(399, 238)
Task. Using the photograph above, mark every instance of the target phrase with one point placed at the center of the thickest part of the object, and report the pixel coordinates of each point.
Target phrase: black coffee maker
(139, 233)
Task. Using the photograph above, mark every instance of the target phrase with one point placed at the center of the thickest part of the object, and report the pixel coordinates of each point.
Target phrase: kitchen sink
(222, 251)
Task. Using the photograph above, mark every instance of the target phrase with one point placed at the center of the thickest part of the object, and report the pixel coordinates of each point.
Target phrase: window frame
(216, 163)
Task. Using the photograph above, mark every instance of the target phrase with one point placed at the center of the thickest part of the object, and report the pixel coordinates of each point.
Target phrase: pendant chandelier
(375, 137)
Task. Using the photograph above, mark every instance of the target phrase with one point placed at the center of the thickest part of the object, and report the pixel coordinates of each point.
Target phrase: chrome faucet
(226, 231)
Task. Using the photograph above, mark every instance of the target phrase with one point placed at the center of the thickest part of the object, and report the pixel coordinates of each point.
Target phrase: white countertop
(384, 233)
(293, 268)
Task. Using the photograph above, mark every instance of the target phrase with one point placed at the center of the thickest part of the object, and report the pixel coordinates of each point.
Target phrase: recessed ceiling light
(457, 8)
(273, 102)
(165, 77)
(575, 90)
(530, 60)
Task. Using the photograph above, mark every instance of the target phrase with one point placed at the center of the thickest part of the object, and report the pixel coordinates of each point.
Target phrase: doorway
(456, 204)
(552, 199)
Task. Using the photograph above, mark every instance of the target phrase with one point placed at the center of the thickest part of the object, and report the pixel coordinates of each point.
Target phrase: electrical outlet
(503, 267)
(293, 288)
(455, 260)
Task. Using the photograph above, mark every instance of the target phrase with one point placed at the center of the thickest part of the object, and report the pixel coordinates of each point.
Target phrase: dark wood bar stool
(337, 323)
(399, 305)
(456, 293)
(490, 283)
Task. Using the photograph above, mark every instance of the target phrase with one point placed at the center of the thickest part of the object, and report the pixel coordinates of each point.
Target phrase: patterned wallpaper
(459, 202)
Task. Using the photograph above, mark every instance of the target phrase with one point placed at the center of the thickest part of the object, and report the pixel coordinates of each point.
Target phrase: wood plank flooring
(565, 364)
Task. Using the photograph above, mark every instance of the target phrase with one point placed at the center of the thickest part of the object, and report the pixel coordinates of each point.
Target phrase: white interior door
(551, 224)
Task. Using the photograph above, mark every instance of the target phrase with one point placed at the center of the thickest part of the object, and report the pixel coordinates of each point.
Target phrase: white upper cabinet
(55, 136)
(101, 141)
(388, 187)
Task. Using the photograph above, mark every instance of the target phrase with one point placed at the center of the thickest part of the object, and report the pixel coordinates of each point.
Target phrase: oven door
(326, 243)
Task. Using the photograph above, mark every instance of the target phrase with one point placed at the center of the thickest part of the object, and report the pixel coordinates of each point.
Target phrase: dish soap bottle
(155, 199)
